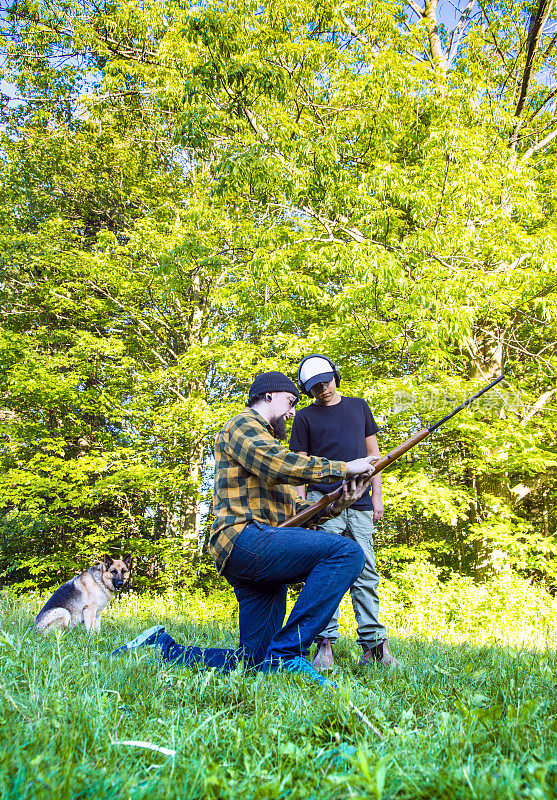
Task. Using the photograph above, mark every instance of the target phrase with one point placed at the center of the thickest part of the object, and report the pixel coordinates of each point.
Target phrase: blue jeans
(263, 561)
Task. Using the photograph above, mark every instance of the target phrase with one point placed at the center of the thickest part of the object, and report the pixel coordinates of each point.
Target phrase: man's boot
(379, 654)
(324, 657)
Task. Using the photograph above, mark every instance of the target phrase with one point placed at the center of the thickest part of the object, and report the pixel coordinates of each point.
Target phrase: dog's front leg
(98, 620)
(89, 613)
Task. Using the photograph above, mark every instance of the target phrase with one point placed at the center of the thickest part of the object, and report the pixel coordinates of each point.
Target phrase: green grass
(473, 714)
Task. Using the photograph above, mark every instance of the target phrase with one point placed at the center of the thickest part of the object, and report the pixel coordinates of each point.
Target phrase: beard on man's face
(278, 424)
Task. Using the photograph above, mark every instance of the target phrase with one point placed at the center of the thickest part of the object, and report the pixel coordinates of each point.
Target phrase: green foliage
(506, 608)
(193, 195)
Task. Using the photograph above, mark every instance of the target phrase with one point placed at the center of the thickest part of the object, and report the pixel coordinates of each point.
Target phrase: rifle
(381, 463)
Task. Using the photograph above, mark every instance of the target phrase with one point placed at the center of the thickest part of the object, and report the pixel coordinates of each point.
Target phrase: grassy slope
(470, 716)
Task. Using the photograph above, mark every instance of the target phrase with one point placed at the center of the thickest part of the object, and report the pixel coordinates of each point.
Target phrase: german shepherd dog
(83, 598)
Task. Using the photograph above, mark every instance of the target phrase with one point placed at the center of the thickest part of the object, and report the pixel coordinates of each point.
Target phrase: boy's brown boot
(380, 654)
(324, 657)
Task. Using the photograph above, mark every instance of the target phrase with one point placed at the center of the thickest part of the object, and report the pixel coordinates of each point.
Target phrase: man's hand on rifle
(360, 466)
(352, 490)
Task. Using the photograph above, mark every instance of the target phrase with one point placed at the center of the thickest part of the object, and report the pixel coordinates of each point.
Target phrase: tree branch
(538, 405)
(538, 146)
(416, 9)
(537, 23)
(438, 56)
(353, 30)
(456, 35)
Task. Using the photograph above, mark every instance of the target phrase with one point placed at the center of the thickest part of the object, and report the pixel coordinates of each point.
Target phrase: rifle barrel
(466, 403)
(384, 461)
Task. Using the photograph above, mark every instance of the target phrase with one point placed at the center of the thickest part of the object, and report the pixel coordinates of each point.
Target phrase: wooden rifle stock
(299, 519)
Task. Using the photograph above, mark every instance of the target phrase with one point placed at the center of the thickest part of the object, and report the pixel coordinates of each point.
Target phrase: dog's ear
(107, 561)
(128, 560)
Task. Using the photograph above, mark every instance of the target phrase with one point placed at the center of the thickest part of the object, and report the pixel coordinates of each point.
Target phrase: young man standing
(340, 427)
(254, 492)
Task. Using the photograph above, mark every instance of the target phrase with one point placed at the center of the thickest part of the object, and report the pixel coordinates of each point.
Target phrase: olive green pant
(358, 526)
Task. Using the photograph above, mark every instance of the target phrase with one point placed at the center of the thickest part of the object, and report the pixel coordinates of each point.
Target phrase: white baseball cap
(316, 370)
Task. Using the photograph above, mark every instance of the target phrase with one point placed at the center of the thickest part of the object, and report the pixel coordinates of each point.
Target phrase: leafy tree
(233, 186)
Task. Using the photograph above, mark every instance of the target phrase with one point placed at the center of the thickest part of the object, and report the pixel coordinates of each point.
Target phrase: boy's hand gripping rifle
(298, 520)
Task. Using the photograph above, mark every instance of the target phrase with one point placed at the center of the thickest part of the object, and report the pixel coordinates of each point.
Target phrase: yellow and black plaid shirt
(255, 478)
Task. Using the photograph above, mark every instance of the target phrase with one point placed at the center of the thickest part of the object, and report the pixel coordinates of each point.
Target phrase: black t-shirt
(337, 432)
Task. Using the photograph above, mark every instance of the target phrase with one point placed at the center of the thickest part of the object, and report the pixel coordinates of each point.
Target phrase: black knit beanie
(272, 382)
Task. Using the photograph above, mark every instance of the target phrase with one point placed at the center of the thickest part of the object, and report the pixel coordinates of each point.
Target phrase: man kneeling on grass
(254, 491)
